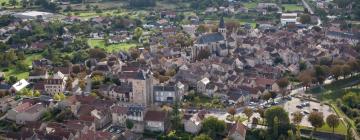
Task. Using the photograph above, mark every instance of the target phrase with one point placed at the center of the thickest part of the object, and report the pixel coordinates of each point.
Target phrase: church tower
(222, 28)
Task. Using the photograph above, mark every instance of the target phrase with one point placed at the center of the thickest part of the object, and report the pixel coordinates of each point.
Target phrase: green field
(250, 5)
(12, 71)
(292, 7)
(341, 129)
(110, 48)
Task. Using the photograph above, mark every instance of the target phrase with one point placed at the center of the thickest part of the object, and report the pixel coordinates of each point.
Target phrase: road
(311, 11)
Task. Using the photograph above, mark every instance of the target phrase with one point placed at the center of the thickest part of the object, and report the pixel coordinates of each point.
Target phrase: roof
(239, 128)
(20, 85)
(35, 108)
(164, 88)
(159, 116)
(53, 81)
(37, 72)
(123, 88)
(22, 107)
(222, 23)
(211, 37)
(119, 109)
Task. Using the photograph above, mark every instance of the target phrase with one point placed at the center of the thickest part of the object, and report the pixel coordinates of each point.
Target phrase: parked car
(299, 106)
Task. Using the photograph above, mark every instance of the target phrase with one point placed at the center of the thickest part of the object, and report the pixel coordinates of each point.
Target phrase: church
(216, 42)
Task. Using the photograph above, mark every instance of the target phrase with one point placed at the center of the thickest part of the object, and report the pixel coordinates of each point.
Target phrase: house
(18, 86)
(4, 87)
(288, 18)
(141, 82)
(165, 94)
(118, 39)
(7, 103)
(26, 112)
(122, 93)
(38, 74)
(119, 114)
(31, 114)
(136, 113)
(201, 85)
(42, 63)
(192, 123)
(102, 117)
(237, 131)
(236, 96)
(156, 121)
(53, 86)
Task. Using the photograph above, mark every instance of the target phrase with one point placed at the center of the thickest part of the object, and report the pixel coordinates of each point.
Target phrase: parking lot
(291, 107)
(116, 129)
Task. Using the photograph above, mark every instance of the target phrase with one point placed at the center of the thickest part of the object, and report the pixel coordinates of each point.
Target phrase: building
(201, 85)
(102, 117)
(156, 121)
(122, 93)
(7, 103)
(18, 86)
(31, 15)
(165, 94)
(211, 42)
(119, 114)
(26, 112)
(288, 18)
(53, 86)
(237, 131)
(38, 74)
(192, 124)
(141, 82)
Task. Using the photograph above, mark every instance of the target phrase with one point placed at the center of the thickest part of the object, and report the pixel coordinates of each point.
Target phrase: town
(180, 69)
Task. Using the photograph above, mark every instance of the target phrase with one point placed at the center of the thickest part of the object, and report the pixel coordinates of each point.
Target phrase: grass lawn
(250, 5)
(292, 7)
(110, 48)
(21, 74)
(242, 21)
(341, 129)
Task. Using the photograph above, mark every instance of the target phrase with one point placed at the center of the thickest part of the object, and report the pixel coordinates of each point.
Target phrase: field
(250, 5)
(341, 129)
(110, 48)
(292, 7)
(12, 71)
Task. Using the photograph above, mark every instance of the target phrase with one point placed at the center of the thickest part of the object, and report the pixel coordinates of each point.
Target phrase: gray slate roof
(209, 38)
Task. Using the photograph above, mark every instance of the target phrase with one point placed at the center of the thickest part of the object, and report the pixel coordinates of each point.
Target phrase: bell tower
(222, 28)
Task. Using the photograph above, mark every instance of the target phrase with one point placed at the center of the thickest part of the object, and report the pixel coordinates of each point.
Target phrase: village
(186, 71)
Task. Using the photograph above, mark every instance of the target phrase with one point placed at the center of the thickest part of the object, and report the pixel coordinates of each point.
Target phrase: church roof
(222, 23)
(208, 38)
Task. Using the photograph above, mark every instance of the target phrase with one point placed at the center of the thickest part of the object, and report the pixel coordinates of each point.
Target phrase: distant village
(119, 77)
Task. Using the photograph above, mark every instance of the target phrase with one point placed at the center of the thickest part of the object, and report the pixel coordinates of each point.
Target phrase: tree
(61, 96)
(317, 120)
(56, 97)
(36, 93)
(232, 111)
(282, 115)
(346, 70)
(266, 96)
(333, 121)
(321, 73)
(202, 29)
(212, 127)
(202, 137)
(297, 118)
(248, 112)
(261, 113)
(129, 124)
(283, 84)
(305, 19)
(13, 2)
(336, 71)
(138, 33)
(305, 78)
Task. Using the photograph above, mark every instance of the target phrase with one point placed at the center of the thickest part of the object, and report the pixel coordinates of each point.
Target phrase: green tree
(13, 2)
(283, 83)
(56, 97)
(129, 124)
(202, 137)
(213, 127)
(333, 121)
(297, 118)
(138, 33)
(305, 19)
(275, 128)
(36, 93)
(282, 115)
(62, 96)
(317, 120)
